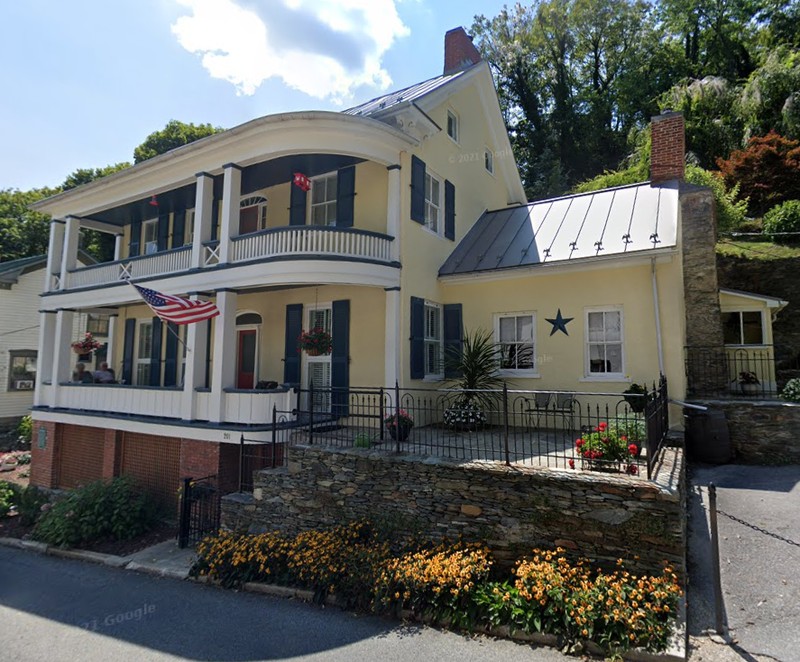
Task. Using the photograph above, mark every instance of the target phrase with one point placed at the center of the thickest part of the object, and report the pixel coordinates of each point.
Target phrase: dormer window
(452, 125)
(252, 214)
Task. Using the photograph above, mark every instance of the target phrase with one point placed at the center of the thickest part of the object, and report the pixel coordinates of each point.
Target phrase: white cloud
(325, 48)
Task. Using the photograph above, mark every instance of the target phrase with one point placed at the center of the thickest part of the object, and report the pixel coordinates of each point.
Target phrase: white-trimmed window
(433, 203)
(150, 236)
(515, 336)
(743, 327)
(323, 199)
(188, 228)
(21, 369)
(252, 214)
(144, 351)
(97, 324)
(452, 125)
(488, 160)
(434, 350)
(604, 340)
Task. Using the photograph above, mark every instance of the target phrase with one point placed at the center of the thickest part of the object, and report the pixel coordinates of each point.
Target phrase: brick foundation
(43, 459)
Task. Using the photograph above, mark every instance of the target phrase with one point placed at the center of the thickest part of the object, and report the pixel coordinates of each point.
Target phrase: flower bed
(456, 584)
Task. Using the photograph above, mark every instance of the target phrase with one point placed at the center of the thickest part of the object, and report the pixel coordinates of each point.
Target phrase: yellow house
(394, 227)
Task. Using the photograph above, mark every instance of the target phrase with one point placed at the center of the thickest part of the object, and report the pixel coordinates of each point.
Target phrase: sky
(85, 81)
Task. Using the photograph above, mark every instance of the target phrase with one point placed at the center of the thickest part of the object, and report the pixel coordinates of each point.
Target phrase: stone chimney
(668, 152)
(459, 51)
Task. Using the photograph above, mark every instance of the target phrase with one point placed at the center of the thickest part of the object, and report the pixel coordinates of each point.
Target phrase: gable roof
(772, 302)
(615, 221)
(11, 271)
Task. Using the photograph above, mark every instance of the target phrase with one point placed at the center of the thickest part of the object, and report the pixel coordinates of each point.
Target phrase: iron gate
(200, 510)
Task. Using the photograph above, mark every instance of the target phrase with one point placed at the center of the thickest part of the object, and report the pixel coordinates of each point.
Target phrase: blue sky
(85, 81)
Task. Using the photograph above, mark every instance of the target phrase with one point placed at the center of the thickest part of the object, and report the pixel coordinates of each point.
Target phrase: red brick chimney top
(459, 51)
(668, 152)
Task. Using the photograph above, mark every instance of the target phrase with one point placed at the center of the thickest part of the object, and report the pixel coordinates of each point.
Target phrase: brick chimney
(459, 51)
(668, 152)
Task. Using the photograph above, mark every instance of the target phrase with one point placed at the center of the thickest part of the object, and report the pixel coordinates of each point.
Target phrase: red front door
(246, 362)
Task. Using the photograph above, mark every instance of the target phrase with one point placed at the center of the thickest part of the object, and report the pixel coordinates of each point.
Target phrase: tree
(23, 233)
(767, 171)
(85, 175)
(771, 97)
(174, 134)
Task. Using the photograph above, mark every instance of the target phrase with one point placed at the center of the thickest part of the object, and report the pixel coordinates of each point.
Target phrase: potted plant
(748, 382)
(315, 342)
(85, 345)
(636, 397)
(476, 364)
(399, 425)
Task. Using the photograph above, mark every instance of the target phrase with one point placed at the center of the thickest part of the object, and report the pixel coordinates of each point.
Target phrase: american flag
(177, 309)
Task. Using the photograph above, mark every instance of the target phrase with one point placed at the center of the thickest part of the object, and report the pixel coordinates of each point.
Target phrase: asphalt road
(55, 609)
(760, 574)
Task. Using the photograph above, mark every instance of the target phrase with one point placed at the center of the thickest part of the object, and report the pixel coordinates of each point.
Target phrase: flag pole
(178, 338)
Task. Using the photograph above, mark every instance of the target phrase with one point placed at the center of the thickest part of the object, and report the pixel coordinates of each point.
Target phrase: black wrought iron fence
(255, 455)
(731, 372)
(560, 429)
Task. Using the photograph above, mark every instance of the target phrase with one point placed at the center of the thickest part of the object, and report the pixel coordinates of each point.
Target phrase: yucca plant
(476, 364)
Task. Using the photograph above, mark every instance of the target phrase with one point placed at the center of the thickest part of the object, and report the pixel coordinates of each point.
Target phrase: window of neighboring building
(604, 342)
(97, 325)
(323, 199)
(22, 370)
(150, 236)
(488, 160)
(433, 203)
(144, 352)
(434, 364)
(452, 125)
(743, 328)
(515, 337)
(252, 214)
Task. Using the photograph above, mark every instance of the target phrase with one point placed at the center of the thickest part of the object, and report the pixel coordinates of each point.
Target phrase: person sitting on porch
(105, 375)
(81, 375)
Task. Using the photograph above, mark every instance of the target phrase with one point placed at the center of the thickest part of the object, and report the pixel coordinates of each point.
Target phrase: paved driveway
(760, 574)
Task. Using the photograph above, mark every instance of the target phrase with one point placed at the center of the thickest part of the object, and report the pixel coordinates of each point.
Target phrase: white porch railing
(147, 265)
(117, 398)
(255, 407)
(312, 241)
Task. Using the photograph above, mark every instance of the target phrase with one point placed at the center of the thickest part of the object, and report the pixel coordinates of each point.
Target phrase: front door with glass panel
(246, 359)
(318, 368)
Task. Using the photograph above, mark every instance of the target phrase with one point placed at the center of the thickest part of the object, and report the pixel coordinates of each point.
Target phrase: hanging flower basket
(85, 345)
(316, 342)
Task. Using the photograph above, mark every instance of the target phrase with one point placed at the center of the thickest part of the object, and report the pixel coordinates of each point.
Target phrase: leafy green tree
(174, 134)
(770, 99)
(23, 233)
(85, 175)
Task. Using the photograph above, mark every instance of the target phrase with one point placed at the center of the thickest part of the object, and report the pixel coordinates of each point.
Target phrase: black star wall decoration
(559, 323)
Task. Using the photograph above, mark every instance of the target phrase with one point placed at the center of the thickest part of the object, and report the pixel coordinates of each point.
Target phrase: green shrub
(784, 217)
(30, 501)
(97, 511)
(791, 391)
(8, 497)
(25, 429)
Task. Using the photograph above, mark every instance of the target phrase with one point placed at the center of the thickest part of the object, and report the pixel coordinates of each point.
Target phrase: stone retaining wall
(513, 509)
(763, 432)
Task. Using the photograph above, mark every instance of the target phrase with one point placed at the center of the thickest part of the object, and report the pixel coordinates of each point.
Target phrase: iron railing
(537, 428)
(731, 372)
(256, 455)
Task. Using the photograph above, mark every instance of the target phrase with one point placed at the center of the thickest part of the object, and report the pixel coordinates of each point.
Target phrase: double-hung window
(144, 352)
(433, 203)
(434, 363)
(604, 342)
(452, 125)
(323, 199)
(150, 236)
(188, 228)
(742, 328)
(515, 335)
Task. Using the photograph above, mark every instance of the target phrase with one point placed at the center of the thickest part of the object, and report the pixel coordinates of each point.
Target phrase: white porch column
(62, 351)
(118, 246)
(229, 226)
(203, 208)
(69, 259)
(391, 368)
(55, 253)
(393, 209)
(194, 376)
(44, 359)
(223, 370)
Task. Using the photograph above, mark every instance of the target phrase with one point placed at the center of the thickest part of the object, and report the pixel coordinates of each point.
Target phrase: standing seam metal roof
(615, 221)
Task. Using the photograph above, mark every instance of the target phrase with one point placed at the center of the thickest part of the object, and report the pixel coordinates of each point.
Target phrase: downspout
(657, 317)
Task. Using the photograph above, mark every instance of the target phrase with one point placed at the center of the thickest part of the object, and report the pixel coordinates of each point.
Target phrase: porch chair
(537, 408)
(565, 407)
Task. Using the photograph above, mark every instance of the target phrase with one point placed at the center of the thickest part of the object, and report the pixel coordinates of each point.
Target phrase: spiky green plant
(476, 364)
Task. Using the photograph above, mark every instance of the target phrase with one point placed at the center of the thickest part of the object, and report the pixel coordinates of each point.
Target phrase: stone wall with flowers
(512, 508)
(762, 432)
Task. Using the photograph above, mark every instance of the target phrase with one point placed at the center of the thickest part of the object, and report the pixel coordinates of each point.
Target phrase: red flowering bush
(607, 446)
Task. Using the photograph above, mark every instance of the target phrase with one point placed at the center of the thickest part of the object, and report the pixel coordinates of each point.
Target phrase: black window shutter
(417, 190)
(291, 357)
(171, 356)
(163, 231)
(136, 237)
(340, 358)
(178, 228)
(215, 220)
(417, 338)
(453, 335)
(127, 351)
(297, 205)
(449, 210)
(155, 357)
(345, 197)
